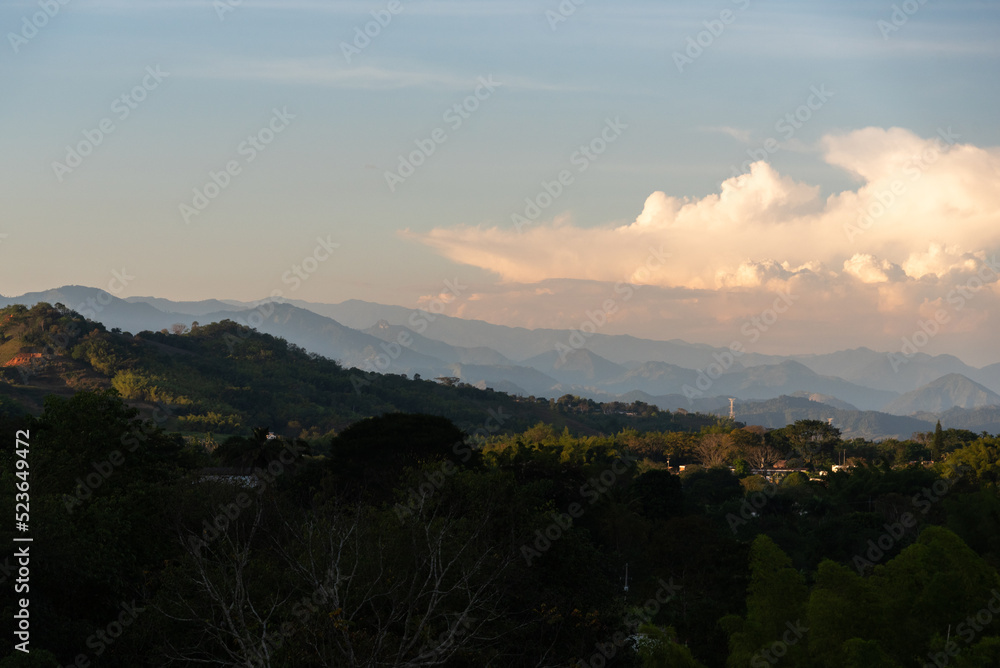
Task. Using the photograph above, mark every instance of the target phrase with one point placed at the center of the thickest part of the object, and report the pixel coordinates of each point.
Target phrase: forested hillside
(563, 535)
(226, 379)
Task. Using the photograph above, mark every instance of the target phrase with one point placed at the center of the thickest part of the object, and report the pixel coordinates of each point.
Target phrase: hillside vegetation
(226, 379)
(539, 533)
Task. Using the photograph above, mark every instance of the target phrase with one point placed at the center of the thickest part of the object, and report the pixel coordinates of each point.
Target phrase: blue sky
(324, 175)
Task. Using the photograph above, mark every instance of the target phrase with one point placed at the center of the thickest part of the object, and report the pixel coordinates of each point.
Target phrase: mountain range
(671, 374)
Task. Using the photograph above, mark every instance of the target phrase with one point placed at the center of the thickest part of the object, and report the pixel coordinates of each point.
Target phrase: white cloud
(753, 275)
(923, 209)
(939, 260)
(869, 269)
(918, 234)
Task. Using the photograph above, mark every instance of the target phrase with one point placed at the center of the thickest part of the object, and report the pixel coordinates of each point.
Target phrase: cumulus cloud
(869, 269)
(922, 222)
(939, 260)
(753, 275)
(924, 207)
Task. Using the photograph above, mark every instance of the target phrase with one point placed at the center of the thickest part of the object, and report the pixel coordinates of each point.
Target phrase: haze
(663, 169)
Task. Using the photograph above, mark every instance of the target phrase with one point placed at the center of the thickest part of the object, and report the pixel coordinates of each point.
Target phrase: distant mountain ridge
(577, 367)
(873, 369)
(784, 410)
(951, 391)
(861, 366)
(523, 361)
(438, 349)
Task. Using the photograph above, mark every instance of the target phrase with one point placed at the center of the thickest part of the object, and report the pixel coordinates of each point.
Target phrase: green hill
(223, 378)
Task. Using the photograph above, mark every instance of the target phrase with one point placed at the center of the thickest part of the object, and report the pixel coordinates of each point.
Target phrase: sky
(794, 177)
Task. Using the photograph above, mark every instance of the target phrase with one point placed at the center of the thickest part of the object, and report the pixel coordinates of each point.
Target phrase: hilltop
(226, 378)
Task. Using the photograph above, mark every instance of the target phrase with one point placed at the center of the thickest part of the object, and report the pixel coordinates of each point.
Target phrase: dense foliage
(555, 538)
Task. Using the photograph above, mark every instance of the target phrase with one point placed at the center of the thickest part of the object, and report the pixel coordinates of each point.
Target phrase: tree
(860, 653)
(343, 586)
(102, 486)
(937, 445)
(99, 427)
(710, 487)
(842, 607)
(649, 445)
(660, 494)
(658, 648)
(217, 590)
(933, 583)
(978, 461)
(776, 608)
(741, 468)
(256, 452)
(132, 386)
(714, 449)
(370, 454)
(811, 440)
(761, 456)
(984, 653)
(747, 437)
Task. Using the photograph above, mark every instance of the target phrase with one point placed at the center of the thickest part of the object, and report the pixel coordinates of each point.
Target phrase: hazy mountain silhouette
(545, 362)
(951, 391)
